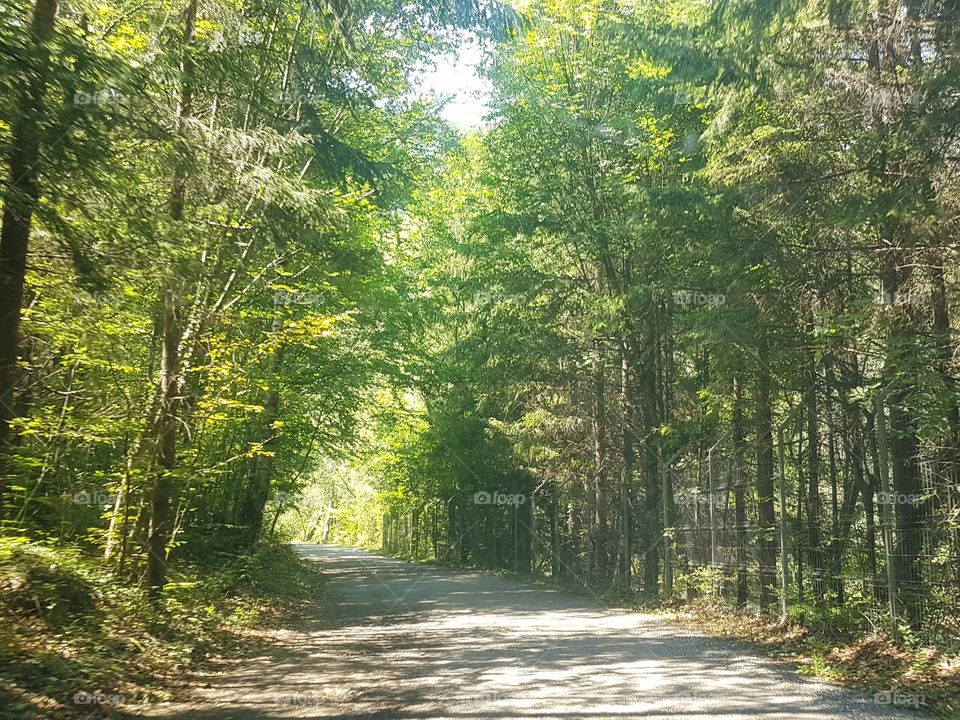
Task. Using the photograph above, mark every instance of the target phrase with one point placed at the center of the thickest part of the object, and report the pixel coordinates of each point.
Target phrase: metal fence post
(784, 571)
(713, 524)
(886, 511)
(667, 531)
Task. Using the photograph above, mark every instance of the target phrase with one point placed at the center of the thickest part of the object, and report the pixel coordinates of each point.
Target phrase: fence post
(886, 511)
(713, 524)
(667, 531)
(533, 531)
(784, 571)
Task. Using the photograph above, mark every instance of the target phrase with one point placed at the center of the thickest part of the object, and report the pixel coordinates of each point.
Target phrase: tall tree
(19, 204)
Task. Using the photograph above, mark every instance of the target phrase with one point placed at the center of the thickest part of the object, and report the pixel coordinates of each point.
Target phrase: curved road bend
(402, 640)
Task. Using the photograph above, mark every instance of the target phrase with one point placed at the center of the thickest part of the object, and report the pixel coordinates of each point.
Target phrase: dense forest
(677, 322)
(689, 308)
(196, 285)
(691, 301)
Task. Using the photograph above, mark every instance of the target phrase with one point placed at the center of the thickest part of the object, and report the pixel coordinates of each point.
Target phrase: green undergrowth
(77, 642)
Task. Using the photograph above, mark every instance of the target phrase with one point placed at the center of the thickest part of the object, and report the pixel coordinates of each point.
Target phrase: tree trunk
(166, 446)
(871, 485)
(766, 536)
(168, 417)
(261, 477)
(597, 496)
(738, 494)
(903, 448)
(895, 270)
(629, 467)
(651, 531)
(19, 200)
(813, 484)
(836, 561)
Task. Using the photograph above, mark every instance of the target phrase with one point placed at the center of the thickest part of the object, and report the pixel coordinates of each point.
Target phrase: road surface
(401, 640)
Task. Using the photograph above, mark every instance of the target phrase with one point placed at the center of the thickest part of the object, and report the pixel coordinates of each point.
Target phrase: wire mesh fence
(839, 542)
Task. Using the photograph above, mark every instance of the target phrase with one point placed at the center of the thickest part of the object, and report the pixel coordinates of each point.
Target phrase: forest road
(401, 640)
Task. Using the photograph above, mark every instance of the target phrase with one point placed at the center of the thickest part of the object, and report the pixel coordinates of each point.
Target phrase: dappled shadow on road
(405, 641)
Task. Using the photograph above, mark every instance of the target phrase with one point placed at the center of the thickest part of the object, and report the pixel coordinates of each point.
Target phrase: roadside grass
(76, 641)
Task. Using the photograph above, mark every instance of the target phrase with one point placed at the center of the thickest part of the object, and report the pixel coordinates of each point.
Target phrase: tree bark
(166, 446)
(21, 196)
(168, 417)
(813, 484)
(738, 494)
(766, 536)
(598, 494)
(629, 466)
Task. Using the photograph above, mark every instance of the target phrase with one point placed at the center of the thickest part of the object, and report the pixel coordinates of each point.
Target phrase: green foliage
(70, 626)
(269, 288)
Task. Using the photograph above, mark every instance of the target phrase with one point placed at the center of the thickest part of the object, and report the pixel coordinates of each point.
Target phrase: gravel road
(401, 640)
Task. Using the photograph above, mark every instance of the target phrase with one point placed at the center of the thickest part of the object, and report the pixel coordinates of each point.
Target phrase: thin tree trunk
(629, 467)
(799, 528)
(257, 491)
(651, 531)
(835, 574)
(166, 448)
(766, 536)
(597, 497)
(738, 494)
(871, 485)
(168, 416)
(895, 270)
(813, 484)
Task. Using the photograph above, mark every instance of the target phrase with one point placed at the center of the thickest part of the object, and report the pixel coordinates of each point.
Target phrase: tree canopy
(677, 320)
